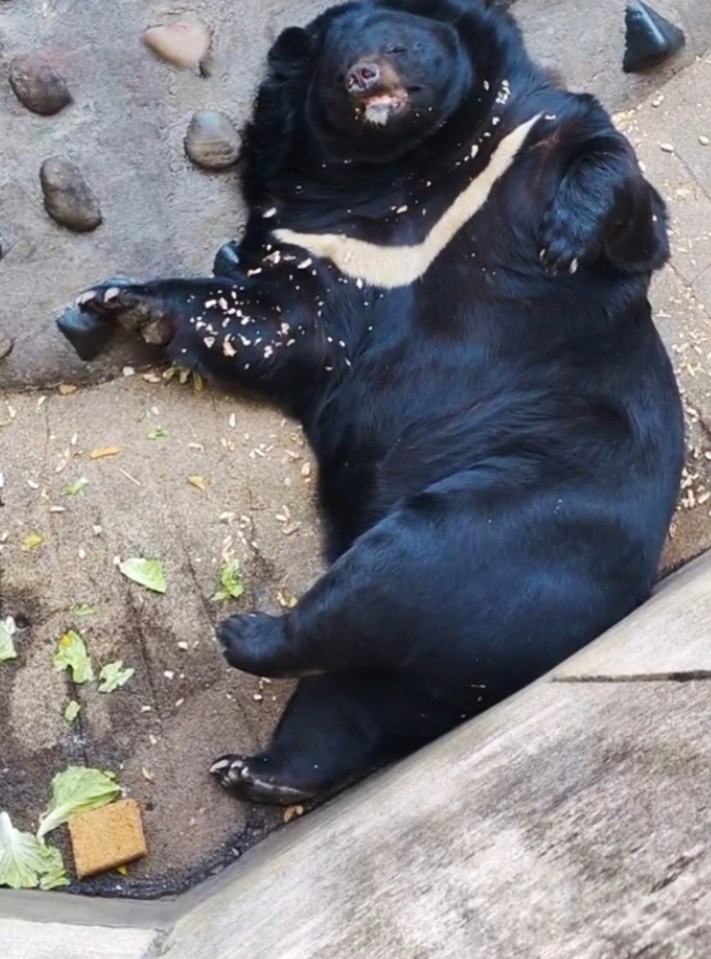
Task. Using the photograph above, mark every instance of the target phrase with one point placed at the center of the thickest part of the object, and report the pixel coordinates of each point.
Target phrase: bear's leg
(335, 730)
(605, 209)
(377, 606)
(252, 330)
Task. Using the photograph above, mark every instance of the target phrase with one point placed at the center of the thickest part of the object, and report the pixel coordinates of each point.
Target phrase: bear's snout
(363, 77)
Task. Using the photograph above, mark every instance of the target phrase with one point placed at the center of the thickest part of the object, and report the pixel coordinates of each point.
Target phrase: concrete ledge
(22, 940)
(571, 822)
(668, 637)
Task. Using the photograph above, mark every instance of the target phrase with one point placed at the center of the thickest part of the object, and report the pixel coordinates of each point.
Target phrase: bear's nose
(363, 77)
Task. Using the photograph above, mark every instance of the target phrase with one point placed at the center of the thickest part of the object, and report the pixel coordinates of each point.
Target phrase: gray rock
(37, 85)
(67, 197)
(6, 344)
(212, 141)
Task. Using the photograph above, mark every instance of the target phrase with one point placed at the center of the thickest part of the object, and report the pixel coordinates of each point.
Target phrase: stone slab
(54, 940)
(667, 638)
(570, 823)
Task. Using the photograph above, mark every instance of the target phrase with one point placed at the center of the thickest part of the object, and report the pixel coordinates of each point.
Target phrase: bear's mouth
(379, 108)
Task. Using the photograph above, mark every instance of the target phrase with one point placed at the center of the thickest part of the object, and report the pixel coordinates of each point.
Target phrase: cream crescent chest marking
(392, 266)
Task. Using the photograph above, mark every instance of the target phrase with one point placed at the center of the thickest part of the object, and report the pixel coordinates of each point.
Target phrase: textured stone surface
(5, 344)
(680, 613)
(126, 129)
(571, 823)
(49, 940)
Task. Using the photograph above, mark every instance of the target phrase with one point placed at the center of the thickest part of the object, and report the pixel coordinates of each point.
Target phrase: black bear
(444, 277)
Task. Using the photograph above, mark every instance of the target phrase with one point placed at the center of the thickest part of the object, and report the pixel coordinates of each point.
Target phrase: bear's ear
(291, 53)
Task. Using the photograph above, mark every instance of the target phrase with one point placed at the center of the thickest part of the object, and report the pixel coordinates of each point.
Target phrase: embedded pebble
(67, 197)
(6, 344)
(212, 141)
(37, 85)
(183, 43)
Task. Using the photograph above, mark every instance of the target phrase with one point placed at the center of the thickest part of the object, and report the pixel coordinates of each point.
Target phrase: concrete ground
(183, 707)
(570, 822)
(254, 480)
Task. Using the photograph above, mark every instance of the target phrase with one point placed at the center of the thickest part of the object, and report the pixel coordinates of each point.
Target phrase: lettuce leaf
(54, 875)
(77, 789)
(146, 572)
(230, 581)
(72, 654)
(25, 862)
(72, 711)
(114, 675)
(7, 644)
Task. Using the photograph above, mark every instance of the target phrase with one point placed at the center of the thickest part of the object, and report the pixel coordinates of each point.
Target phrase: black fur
(499, 443)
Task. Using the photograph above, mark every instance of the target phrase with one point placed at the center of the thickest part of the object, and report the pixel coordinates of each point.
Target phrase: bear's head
(378, 76)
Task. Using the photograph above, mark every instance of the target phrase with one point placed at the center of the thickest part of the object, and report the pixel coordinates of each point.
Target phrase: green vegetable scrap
(146, 572)
(114, 675)
(84, 609)
(7, 645)
(76, 486)
(77, 789)
(26, 862)
(230, 581)
(55, 875)
(72, 654)
(72, 711)
(159, 433)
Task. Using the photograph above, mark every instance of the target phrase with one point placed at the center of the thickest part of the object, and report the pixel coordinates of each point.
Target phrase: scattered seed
(129, 477)
(104, 451)
(292, 812)
(286, 599)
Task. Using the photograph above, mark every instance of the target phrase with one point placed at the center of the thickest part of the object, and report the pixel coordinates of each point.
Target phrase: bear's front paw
(257, 644)
(565, 242)
(111, 296)
(90, 321)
